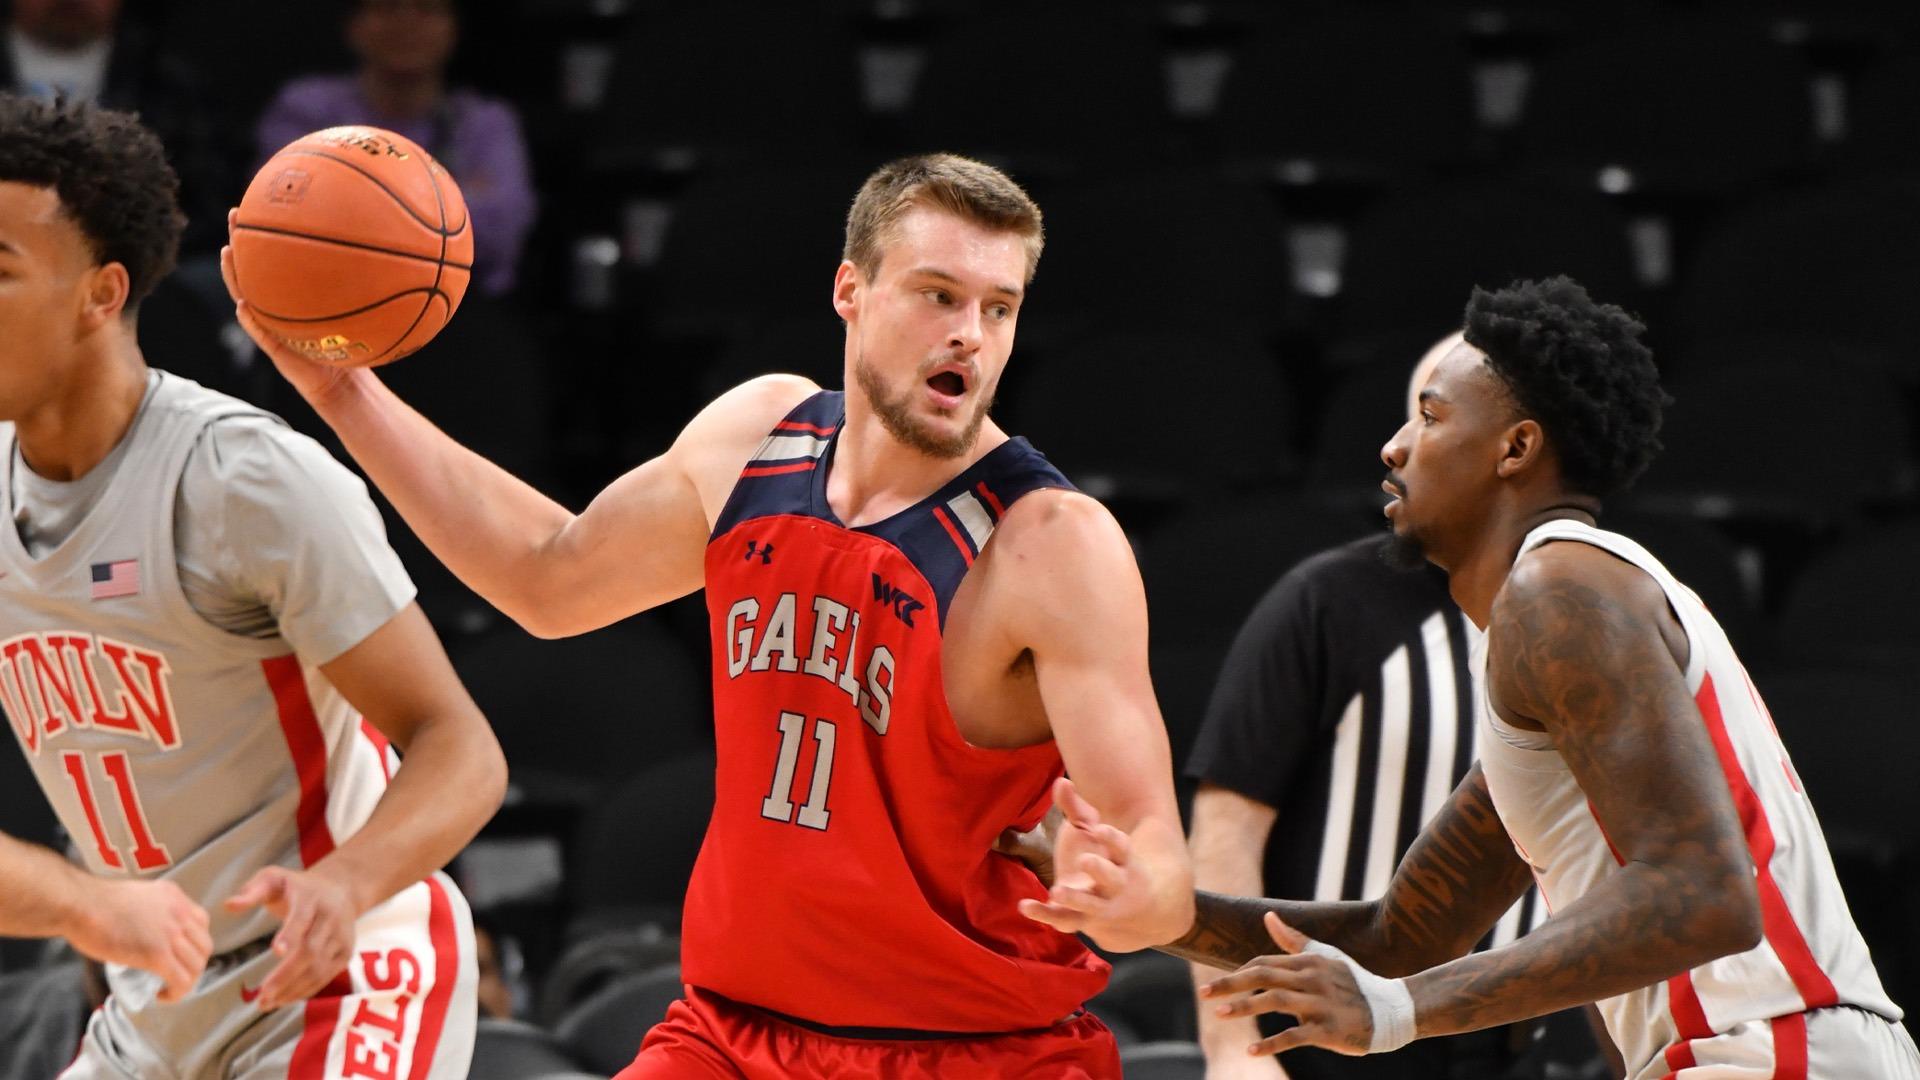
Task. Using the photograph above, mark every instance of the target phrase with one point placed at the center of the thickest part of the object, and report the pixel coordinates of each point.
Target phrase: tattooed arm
(1585, 646)
(1458, 878)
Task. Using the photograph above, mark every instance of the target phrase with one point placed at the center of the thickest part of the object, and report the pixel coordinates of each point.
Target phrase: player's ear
(1522, 446)
(848, 284)
(107, 289)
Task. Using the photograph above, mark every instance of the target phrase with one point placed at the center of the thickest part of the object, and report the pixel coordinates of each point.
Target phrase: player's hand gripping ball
(352, 246)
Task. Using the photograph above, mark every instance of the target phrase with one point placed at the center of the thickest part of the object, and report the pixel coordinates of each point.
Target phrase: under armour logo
(765, 551)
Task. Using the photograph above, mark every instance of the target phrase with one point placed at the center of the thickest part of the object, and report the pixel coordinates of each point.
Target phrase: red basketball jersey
(847, 876)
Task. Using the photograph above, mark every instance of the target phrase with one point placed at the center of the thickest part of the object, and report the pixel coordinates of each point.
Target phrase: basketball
(352, 246)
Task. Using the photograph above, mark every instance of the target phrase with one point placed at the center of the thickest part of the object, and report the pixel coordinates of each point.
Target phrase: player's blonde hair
(968, 189)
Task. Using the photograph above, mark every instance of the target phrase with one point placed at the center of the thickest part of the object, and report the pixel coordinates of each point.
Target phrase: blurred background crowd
(1259, 214)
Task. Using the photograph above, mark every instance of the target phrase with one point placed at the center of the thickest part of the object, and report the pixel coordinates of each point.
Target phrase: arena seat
(483, 381)
(1068, 91)
(1180, 414)
(604, 1031)
(1781, 442)
(1348, 99)
(1164, 1061)
(635, 847)
(1684, 106)
(511, 1050)
(811, 344)
(597, 960)
(1155, 250)
(1413, 259)
(1835, 261)
(1830, 355)
(1880, 111)
(749, 245)
(578, 714)
(1853, 605)
(726, 78)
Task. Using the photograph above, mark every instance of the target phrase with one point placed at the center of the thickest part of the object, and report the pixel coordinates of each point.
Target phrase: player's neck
(401, 95)
(64, 437)
(1478, 577)
(875, 475)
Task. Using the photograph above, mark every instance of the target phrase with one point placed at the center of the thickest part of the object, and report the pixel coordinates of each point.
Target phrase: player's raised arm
(556, 573)
(1083, 617)
(150, 925)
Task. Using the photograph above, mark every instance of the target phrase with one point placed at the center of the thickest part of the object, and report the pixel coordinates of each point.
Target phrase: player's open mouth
(950, 383)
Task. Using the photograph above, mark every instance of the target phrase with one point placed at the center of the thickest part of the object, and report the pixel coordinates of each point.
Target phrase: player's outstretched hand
(1340, 1005)
(316, 931)
(312, 379)
(1097, 889)
(150, 925)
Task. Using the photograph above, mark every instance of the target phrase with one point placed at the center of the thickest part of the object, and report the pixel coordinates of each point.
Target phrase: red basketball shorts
(705, 1035)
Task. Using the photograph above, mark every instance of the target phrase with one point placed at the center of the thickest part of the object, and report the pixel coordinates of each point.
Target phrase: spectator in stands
(498, 961)
(404, 47)
(83, 50)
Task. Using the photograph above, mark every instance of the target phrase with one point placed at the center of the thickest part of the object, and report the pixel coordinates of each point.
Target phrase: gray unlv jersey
(169, 747)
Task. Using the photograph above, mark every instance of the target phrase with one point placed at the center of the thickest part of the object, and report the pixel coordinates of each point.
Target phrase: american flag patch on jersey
(119, 578)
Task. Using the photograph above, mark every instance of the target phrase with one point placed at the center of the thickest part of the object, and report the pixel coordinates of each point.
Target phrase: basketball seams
(440, 268)
(297, 235)
(426, 305)
(429, 290)
(439, 230)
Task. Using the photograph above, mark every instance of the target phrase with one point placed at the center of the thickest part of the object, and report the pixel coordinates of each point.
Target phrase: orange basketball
(352, 246)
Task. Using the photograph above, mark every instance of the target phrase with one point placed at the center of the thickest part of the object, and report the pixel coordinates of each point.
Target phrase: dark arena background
(1258, 215)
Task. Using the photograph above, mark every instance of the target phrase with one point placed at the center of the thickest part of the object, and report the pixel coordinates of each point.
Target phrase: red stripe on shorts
(323, 1012)
(1790, 1047)
(446, 971)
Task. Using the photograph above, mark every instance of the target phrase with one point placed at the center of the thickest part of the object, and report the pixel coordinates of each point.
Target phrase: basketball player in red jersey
(917, 624)
(1627, 765)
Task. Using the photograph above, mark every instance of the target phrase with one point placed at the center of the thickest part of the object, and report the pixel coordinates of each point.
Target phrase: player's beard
(896, 412)
(1404, 551)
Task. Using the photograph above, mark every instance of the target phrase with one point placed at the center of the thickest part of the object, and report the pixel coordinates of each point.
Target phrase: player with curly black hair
(111, 177)
(1626, 764)
(1581, 369)
(209, 650)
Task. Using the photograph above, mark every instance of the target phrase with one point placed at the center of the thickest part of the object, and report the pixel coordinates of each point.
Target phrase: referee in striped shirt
(1344, 713)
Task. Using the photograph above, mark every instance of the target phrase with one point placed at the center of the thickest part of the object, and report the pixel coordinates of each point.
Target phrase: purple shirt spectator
(477, 138)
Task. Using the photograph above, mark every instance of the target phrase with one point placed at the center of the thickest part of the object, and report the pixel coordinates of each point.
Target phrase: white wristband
(1388, 1000)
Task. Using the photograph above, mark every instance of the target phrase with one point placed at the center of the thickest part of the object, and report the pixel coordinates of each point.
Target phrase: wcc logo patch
(903, 605)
